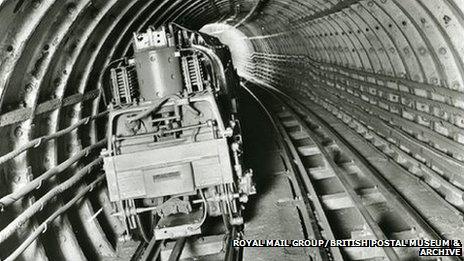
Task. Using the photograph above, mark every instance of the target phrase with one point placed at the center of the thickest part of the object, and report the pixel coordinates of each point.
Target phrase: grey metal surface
(394, 67)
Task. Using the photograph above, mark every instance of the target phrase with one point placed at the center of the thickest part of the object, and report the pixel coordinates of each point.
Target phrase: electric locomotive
(173, 157)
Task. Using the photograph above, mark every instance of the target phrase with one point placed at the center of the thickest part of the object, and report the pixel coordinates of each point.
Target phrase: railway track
(218, 247)
(343, 196)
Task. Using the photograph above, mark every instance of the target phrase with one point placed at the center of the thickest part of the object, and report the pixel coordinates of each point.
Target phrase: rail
(152, 250)
(328, 157)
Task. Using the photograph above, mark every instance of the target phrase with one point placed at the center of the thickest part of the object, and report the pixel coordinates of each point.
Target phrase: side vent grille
(124, 84)
(193, 73)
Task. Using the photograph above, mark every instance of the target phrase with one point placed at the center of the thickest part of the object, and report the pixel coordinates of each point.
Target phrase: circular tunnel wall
(397, 60)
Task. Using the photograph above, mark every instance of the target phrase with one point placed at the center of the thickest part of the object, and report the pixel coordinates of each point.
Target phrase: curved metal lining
(91, 230)
(405, 57)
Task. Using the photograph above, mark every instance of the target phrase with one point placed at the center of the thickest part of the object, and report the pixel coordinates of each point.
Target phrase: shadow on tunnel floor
(260, 149)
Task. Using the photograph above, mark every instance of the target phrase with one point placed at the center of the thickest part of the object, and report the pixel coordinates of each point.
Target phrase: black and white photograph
(231, 130)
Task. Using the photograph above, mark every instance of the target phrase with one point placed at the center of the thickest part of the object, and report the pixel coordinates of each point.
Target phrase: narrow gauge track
(347, 196)
(153, 250)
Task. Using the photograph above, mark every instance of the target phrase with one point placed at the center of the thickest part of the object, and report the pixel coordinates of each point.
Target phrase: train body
(174, 147)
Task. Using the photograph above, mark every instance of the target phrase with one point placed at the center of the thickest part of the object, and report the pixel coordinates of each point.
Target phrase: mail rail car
(174, 150)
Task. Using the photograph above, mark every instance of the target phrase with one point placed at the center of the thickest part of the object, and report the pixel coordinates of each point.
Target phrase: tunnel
(384, 77)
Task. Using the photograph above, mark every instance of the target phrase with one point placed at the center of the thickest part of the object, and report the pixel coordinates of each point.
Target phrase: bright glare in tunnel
(240, 48)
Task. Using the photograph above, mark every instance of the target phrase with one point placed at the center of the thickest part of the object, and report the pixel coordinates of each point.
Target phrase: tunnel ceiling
(399, 62)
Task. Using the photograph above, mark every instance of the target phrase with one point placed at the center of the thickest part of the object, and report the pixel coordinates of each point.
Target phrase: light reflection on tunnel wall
(236, 40)
(408, 52)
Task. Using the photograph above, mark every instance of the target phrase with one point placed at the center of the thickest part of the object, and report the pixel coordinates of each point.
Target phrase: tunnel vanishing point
(353, 123)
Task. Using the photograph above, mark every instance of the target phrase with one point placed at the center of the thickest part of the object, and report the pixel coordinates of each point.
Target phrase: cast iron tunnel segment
(350, 199)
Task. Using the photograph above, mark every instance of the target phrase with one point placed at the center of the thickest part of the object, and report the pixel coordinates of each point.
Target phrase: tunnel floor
(271, 214)
(276, 211)
(403, 206)
(353, 123)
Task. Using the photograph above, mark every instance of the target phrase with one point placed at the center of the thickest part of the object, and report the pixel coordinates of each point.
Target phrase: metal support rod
(37, 182)
(161, 132)
(43, 227)
(177, 250)
(39, 141)
(39, 204)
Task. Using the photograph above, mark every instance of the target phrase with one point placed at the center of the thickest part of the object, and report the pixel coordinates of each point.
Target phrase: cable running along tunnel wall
(398, 63)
